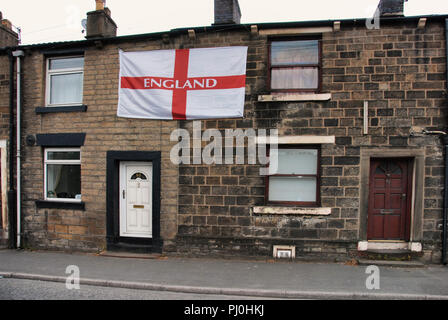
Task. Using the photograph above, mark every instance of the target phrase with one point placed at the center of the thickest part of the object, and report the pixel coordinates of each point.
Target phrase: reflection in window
(63, 174)
(388, 167)
(295, 65)
(296, 178)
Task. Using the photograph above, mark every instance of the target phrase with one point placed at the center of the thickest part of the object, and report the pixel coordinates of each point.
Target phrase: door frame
(123, 204)
(417, 187)
(409, 174)
(113, 238)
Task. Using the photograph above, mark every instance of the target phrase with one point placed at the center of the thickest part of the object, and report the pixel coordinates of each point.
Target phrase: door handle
(124, 194)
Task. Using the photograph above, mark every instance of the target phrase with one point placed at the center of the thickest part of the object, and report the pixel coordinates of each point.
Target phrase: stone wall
(399, 70)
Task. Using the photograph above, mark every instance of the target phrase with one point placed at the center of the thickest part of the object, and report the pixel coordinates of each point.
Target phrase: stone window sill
(295, 97)
(277, 210)
(62, 109)
(45, 204)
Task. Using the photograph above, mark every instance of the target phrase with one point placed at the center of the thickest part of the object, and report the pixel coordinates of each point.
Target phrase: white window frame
(61, 72)
(46, 162)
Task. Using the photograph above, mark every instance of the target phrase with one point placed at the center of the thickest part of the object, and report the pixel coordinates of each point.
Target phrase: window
(63, 174)
(295, 65)
(297, 178)
(64, 81)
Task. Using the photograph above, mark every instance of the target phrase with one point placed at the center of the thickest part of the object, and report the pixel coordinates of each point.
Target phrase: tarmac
(282, 279)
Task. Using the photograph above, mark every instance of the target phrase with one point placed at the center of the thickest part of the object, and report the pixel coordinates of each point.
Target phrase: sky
(60, 20)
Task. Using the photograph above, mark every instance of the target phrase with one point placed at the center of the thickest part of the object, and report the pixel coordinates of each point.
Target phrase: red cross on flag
(183, 84)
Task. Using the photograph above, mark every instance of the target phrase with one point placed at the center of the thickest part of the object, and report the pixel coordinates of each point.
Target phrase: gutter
(12, 231)
(218, 28)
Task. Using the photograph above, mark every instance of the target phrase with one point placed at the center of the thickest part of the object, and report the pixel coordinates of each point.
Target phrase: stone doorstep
(387, 263)
(3, 240)
(390, 246)
(130, 255)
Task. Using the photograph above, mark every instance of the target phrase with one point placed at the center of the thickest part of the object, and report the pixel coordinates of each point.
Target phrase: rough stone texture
(206, 209)
(398, 69)
(7, 36)
(227, 12)
(100, 24)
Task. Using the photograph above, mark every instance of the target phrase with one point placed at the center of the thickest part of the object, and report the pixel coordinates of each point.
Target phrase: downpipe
(18, 54)
(445, 201)
(445, 207)
(12, 228)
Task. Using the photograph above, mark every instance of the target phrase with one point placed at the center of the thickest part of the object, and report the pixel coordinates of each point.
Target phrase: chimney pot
(391, 8)
(7, 24)
(100, 4)
(227, 12)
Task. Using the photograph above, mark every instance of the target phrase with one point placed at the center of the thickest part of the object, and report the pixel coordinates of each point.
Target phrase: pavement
(251, 278)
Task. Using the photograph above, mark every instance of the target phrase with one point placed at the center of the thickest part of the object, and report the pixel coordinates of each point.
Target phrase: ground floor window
(63, 174)
(297, 178)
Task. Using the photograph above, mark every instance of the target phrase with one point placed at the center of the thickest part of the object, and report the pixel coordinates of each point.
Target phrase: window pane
(294, 52)
(300, 189)
(138, 175)
(67, 63)
(295, 78)
(63, 155)
(297, 161)
(66, 88)
(64, 181)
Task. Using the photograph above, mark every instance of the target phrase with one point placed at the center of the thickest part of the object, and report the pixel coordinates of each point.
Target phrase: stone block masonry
(208, 209)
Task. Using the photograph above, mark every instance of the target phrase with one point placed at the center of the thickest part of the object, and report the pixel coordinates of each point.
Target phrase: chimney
(391, 8)
(227, 12)
(100, 4)
(100, 23)
(8, 37)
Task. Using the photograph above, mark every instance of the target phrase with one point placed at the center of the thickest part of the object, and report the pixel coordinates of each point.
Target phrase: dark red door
(389, 195)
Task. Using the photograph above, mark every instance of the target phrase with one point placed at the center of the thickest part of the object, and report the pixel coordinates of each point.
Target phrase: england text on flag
(183, 84)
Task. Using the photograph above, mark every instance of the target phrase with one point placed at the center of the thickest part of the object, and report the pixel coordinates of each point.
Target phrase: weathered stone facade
(209, 209)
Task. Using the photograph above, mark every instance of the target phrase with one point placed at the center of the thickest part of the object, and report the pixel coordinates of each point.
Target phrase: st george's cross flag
(183, 84)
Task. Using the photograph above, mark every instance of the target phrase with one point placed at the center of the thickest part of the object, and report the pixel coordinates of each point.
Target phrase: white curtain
(54, 173)
(66, 88)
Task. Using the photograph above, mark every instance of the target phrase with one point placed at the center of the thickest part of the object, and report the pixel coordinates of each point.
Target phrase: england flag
(183, 84)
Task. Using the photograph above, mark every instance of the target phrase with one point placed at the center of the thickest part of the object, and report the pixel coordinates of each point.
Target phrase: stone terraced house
(359, 105)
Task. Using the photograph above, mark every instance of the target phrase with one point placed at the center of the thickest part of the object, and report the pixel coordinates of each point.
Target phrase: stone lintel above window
(295, 97)
(298, 140)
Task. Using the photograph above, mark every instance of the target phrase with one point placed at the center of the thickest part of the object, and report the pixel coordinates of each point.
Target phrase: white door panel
(136, 199)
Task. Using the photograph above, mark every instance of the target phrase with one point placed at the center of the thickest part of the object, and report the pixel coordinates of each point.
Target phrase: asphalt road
(18, 289)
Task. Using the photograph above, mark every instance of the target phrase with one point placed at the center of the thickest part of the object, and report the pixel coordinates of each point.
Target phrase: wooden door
(389, 199)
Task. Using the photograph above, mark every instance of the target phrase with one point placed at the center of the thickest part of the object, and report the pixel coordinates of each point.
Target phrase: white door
(136, 199)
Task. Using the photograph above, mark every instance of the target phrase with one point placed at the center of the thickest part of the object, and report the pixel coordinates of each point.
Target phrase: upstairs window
(295, 66)
(64, 81)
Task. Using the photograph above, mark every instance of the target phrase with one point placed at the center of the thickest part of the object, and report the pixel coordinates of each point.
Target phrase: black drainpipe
(445, 201)
(445, 142)
(11, 192)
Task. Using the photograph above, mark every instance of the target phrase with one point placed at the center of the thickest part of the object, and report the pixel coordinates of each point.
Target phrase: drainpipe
(445, 201)
(445, 140)
(18, 54)
(12, 231)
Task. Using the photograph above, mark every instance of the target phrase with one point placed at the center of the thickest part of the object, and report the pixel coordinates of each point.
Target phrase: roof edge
(217, 28)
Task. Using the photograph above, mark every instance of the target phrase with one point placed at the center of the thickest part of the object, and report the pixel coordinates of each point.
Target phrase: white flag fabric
(183, 84)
